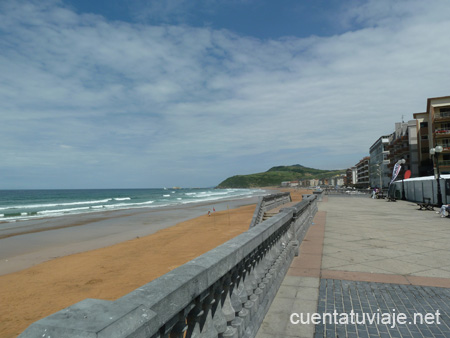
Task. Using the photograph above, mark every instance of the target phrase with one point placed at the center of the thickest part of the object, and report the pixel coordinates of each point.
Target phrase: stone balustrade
(226, 292)
(267, 203)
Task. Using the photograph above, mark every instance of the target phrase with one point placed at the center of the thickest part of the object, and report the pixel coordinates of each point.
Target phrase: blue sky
(106, 94)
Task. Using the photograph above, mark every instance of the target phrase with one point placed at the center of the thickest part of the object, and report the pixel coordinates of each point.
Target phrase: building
(403, 145)
(379, 161)
(438, 113)
(362, 168)
(423, 144)
(351, 176)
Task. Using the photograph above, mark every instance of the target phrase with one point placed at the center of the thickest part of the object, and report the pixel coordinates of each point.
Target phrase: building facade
(379, 161)
(362, 168)
(438, 113)
(403, 146)
(423, 144)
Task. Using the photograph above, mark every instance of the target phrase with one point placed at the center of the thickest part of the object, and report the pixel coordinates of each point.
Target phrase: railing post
(228, 309)
(220, 322)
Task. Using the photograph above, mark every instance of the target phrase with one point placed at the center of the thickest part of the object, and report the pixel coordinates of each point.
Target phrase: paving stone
(382, 300)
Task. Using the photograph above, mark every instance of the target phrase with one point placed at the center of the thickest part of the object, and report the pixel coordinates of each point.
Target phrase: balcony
(445, 147)
(444, 164)
(440, 133)
(442, 116)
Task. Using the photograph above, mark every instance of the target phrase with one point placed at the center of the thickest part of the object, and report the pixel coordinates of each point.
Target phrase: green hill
(276, 175)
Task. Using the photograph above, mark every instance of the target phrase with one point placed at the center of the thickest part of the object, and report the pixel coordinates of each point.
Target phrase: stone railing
(319, 194)
(226, 292)
(344, 191)
(267, 203)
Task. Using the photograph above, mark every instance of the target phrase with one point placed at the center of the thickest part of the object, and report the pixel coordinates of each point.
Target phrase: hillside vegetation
(276, 175)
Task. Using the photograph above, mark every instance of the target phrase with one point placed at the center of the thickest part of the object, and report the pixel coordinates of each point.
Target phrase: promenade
(387, 261)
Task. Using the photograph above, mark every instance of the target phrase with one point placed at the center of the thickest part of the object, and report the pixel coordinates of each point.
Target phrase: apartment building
(438, 114)
(362, 168)
(423, 144)
(403, 146)
(351, 174)
(379, 160)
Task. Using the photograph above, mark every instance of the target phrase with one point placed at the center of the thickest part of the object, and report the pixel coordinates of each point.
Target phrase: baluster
(250, 285)
(227, 308)
(208, 328)
(180, 327)
(249, 304)
(220, 322)
(241, 292)
(272, 258)
(194, 318)
(257, 279)
(240, 313)
(263, 267)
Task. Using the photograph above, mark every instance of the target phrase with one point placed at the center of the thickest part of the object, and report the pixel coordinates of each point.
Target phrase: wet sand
(113, 271)
(27, 243)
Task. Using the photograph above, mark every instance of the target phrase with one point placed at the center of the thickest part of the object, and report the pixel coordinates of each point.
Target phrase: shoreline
(40, 240)
(38, 224)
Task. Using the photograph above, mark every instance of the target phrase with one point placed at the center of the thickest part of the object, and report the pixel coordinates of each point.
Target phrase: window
(423, 124)
(445, 142)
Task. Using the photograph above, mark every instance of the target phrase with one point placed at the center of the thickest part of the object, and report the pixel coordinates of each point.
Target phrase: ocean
(17, 205)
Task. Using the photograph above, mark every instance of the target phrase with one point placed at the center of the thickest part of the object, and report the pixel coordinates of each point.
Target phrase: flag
(395, 172)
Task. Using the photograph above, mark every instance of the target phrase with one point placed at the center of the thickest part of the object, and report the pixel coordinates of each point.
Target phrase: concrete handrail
(267, 203)
(225, 292)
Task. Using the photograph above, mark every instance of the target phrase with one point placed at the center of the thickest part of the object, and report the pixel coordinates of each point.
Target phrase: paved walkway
(382, 262)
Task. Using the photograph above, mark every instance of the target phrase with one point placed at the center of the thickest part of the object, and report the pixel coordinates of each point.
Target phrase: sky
(153, 93)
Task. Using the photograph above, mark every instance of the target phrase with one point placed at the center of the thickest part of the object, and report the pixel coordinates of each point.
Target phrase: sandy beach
(140, 247)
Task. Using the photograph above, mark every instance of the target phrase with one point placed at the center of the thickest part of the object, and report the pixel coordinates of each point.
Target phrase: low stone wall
(267, 203)
(226, 292)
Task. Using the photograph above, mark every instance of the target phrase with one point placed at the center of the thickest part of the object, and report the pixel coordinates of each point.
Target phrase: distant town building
(290, 184)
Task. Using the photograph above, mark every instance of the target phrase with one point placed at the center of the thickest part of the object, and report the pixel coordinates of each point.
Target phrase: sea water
(18, 205)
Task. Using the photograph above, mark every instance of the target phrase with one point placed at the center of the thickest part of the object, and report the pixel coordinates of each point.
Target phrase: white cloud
(131, 93)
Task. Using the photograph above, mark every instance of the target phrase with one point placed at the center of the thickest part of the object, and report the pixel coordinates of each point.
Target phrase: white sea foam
(52, 205)
(61, 211)
(128, 205)
(20, 212)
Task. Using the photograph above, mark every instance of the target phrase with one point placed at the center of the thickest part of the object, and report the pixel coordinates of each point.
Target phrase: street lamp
(433, 151)
(378, 169)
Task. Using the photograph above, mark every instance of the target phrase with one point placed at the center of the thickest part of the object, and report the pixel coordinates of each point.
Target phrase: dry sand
(109, 273)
